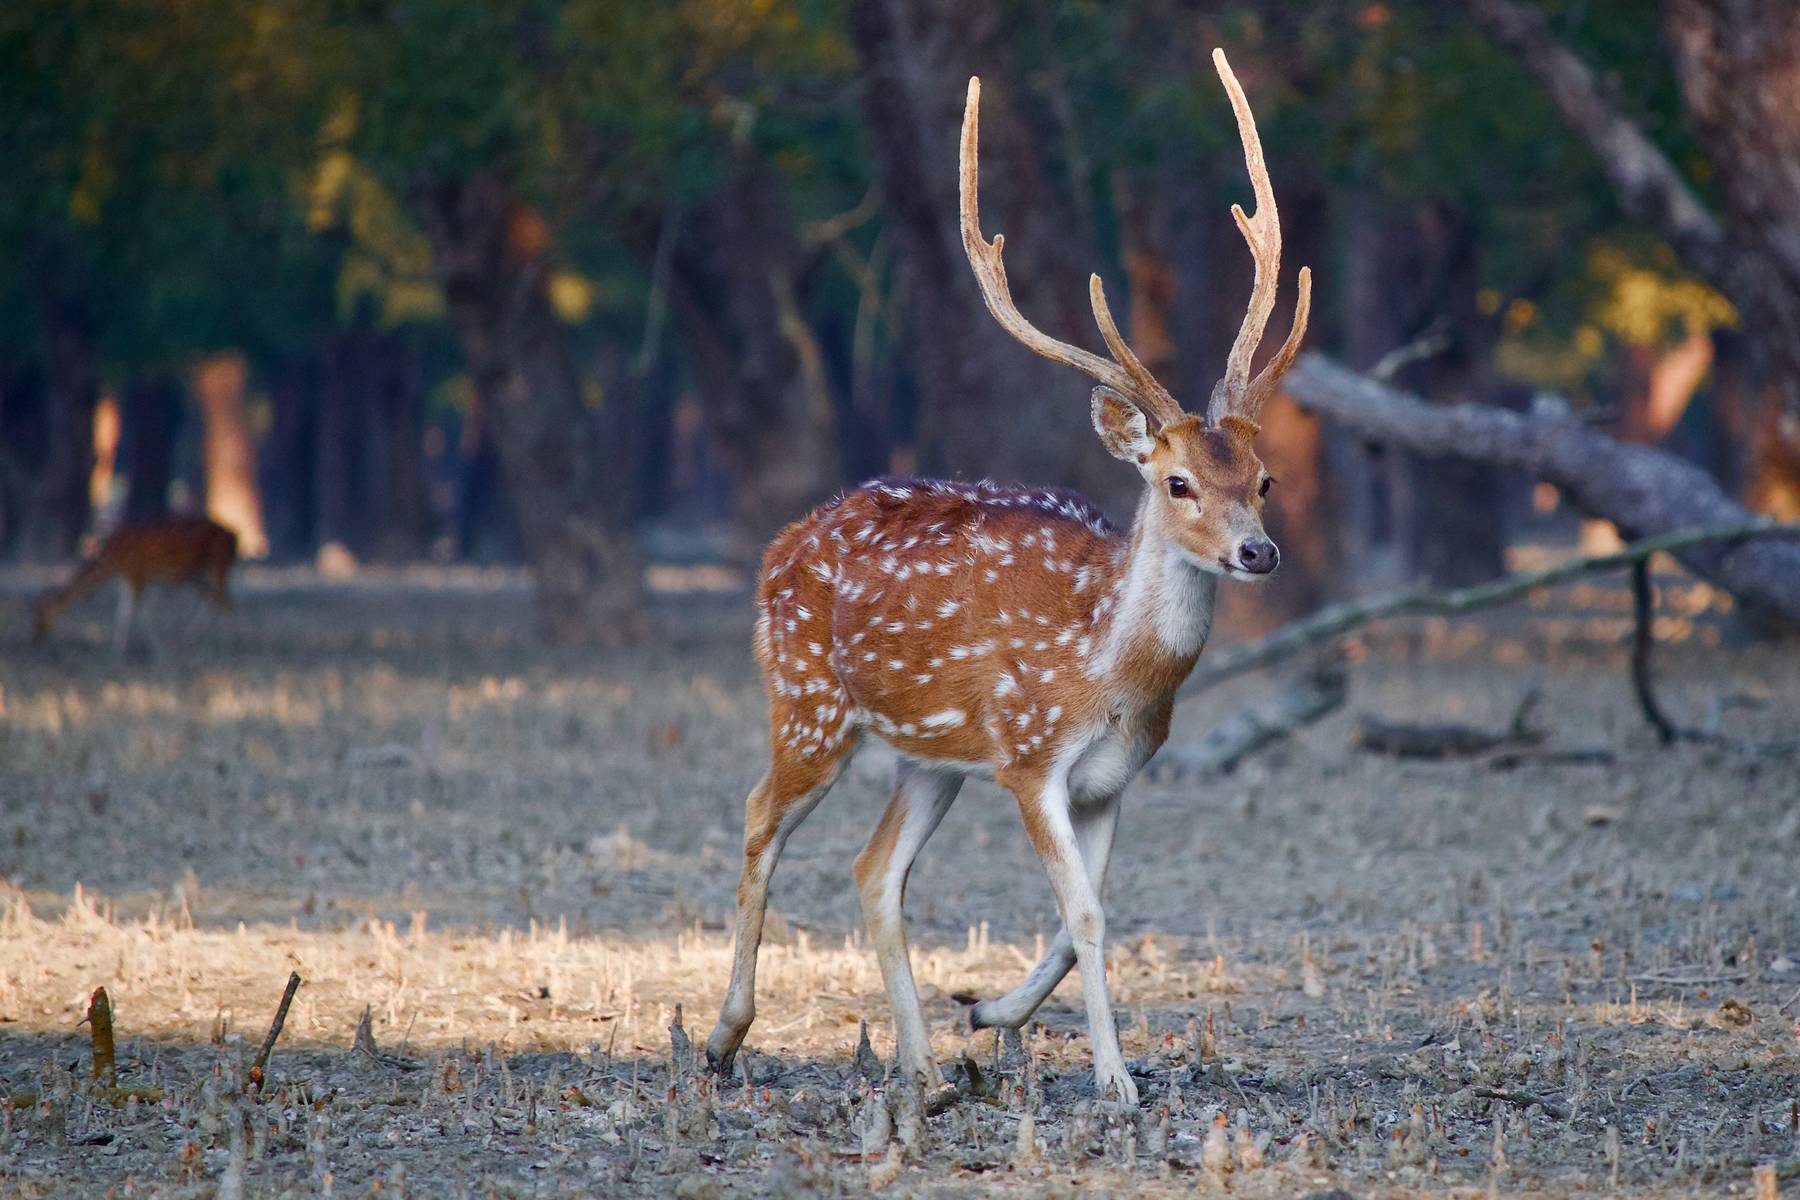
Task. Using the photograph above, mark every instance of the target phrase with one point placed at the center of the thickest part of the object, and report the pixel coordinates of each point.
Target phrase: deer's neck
(1160, 610)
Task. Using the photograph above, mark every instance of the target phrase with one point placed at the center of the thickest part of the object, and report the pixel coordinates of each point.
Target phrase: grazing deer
(177, 550)
(1011, 634)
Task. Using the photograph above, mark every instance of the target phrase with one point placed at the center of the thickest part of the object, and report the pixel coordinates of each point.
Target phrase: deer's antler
(1126, 375)
(1237, 395)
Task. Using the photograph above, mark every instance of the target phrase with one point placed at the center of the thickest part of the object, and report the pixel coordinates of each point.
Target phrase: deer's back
(170, 551)
(952, 619)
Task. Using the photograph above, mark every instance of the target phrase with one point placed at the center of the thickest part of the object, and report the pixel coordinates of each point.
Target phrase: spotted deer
(1010, 634)
(171, 551)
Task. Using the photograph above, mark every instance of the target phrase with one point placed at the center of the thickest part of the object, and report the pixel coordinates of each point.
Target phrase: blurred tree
(1738, 64)
(228, 452)
(595, 240)
(147, 195)
(761, 372)
(58, 511)
(21, 441)
(150, 421)
(491, 255)
(987, 405)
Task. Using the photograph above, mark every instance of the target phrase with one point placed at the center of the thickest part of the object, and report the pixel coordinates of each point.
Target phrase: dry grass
(1391, 978)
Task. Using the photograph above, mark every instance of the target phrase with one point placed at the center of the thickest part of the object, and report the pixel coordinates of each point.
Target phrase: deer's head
(1205, 484)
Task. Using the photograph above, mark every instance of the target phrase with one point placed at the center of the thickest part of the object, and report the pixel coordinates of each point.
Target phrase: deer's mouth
(1232, 571)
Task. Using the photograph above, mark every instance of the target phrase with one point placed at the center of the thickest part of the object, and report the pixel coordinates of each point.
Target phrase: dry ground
(1388, 978)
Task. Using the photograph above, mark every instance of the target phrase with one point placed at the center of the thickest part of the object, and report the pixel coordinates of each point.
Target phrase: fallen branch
(1440, 740)
(1405, 739)
(1335, 620)
(1644, 491)
(1508, 757)
(1642, 638)
(1243, 733)
(268, 1046)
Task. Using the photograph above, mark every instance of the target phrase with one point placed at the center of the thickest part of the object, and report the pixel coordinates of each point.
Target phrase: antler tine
(1152, 396)
(1128, 376)
(1236, 393)
(1277, 366)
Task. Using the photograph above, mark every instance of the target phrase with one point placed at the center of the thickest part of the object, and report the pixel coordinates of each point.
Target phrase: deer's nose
(1258, 556)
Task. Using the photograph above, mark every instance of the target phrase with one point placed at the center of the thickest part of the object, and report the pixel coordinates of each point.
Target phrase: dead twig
(268, 1045)
(364, 1043)
(1335, 620)
(1689, 980)
(1643, 603)
(100, 1034)
(1319, 694)
(1525, 1100)
(1434, 341)
(117, 1097)
(1505, 758)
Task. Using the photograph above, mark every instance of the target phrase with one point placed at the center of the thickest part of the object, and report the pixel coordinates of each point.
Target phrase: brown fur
(1224, 478)
(174, 551)
(907, 601)
(985, 629)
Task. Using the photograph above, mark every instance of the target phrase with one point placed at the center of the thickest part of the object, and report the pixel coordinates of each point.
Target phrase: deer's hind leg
(793, 787)
(921, 798)
(216, 586)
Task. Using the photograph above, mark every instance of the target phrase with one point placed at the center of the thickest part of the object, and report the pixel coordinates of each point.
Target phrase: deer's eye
(1177, 486)
(1264, 489)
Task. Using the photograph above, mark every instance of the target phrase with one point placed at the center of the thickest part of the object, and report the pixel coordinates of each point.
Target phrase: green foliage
(150, 167)
(214, 172)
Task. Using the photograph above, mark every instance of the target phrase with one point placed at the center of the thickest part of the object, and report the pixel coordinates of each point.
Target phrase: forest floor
(1521, 974)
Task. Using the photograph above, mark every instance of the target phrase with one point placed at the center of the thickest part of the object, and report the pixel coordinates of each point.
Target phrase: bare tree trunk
(1739, 66)
(1738, 62)
(735, 284)
(987, 405)
(229, 451)
(58, 513)
(149, 425)
(289, 456)
(491, 256)
(397, 464)
(22, 432)
(106, 454)
(339, 513)
(1452, 520)
(1642, 490)
(487, 527)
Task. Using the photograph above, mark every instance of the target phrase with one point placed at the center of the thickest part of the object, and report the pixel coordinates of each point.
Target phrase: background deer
(1011, 634)
(178, 550)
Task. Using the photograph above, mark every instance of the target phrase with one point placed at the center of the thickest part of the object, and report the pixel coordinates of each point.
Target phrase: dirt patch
(1332, 970)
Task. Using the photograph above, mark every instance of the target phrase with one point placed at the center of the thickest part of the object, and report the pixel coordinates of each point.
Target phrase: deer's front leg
(1048, 823)
(122, 618)
(1094, 828)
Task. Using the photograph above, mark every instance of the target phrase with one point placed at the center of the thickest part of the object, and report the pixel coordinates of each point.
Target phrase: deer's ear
(1122, 426)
